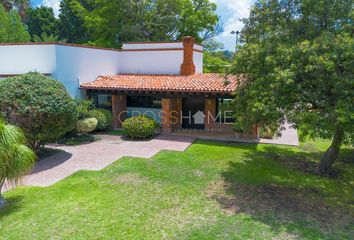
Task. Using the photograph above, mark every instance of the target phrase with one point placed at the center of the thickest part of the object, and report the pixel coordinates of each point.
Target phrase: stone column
(119, 108)
(166, 114)
(210, 113)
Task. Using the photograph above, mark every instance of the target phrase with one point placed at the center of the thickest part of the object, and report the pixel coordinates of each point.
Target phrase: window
(144, 102)
(102, 101)
(224, 110)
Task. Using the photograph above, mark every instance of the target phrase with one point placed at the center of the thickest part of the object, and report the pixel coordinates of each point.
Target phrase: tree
(216, 60)
(40, 21)
(20, 6)
(12, 29)
(15, 158)
(110, 23)
(71, 24)
(46, 38)
(298, 63)
(39, 105)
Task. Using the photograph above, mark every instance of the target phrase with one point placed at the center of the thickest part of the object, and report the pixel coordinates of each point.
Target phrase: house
(162, 80)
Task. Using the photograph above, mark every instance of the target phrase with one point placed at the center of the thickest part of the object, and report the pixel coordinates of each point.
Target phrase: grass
(118, 132)
(211, 191)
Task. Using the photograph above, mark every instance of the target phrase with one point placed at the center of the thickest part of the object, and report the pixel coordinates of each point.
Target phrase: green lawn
(211, 191)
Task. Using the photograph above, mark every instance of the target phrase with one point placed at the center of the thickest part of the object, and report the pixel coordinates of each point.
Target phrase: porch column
(178, 114)
(210, 113)
(119, 108)
(166, 114)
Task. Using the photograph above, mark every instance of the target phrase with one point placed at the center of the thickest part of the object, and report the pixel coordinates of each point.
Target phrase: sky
(230, 12)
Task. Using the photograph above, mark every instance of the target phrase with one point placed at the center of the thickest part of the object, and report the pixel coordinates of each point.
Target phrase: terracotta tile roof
(202, 82)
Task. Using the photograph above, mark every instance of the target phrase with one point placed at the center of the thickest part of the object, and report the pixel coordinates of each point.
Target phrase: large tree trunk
(2, 200)
(332, 153)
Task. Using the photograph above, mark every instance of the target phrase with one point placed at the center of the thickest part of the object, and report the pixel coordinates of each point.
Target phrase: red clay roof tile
(196, 83)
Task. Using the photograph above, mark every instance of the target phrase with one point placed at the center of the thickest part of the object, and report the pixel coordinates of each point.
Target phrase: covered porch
(199, 103)
(195, 114)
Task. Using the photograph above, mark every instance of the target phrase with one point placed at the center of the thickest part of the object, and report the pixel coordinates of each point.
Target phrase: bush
(268, 132)
(72, 139)
(101, 118)
(86, 125)
(139, 127)
(39, 105)
(108, 115)
(83, 107)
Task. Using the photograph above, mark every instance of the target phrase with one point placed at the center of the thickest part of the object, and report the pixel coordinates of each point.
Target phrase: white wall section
(77, 65)
(18, 59)
(74, 64)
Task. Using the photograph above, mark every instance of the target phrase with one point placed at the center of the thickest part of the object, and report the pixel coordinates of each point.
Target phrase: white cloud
(240, 9)
(232, 11)
(53, 4)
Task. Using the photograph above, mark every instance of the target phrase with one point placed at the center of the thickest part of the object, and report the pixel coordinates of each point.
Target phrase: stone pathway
(98, 155)
(288, 136)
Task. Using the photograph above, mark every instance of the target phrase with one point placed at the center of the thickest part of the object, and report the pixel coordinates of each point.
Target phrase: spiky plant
(16, 158)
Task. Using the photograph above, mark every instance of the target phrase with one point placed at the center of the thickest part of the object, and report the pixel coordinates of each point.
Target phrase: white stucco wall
(167, 60)
(198, 61)
(77, 65)
(73, 65)
(151, 62)
(18, 59)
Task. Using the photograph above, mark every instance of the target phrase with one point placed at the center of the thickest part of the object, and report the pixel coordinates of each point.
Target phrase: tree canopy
(41, 21)
(109, 23)
(299, 62)
(71, 23)
(11, 27)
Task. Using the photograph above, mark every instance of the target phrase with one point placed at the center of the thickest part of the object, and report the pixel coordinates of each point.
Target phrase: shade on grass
(211, 191)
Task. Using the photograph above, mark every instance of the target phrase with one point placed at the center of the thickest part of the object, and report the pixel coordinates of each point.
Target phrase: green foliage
(103, 124)
(83, 107)
(216, 62)
(39, 105)
(215, 59)
(74, 139)
(86, 125)
(298, 59)
(11, 27)
(213, 190)
(139, 127)
(41, 21)
(112, 22)
(15, 158)
(108, 115)
(268, 133)
(45, 38)
(71, 24)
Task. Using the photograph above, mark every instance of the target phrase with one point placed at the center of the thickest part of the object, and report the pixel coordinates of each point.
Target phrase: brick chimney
(188, 67)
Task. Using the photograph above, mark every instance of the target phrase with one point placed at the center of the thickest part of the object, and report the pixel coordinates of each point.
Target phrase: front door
(193, 113)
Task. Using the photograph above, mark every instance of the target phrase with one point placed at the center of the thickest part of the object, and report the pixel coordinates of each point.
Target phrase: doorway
(193, 113)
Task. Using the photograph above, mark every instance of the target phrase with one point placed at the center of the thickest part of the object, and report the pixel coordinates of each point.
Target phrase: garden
(213, 190)
(36, 111)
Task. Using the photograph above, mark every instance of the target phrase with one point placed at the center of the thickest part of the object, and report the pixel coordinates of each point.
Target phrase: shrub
(108, 115)
(86, 125)
(101, 118)
(39, 105)
(268, 132)
(83, 107)
(139, 127)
